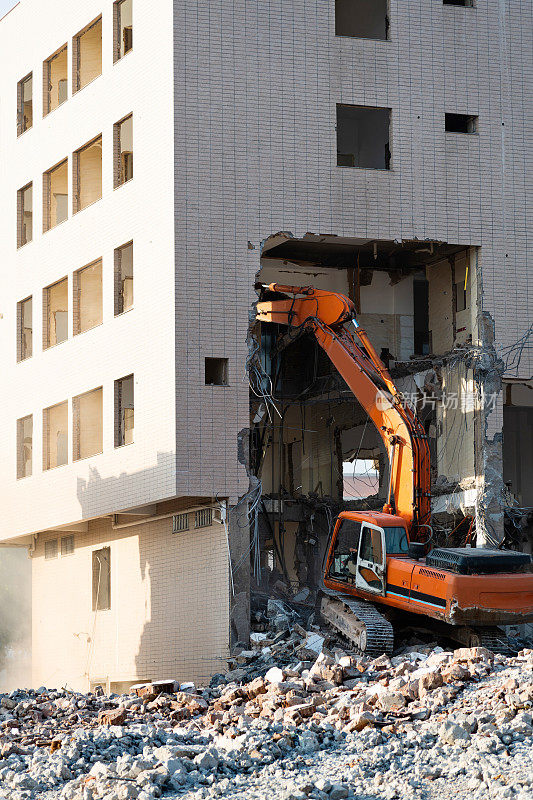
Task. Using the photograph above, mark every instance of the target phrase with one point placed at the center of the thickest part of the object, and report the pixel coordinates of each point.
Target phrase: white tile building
(230, 112)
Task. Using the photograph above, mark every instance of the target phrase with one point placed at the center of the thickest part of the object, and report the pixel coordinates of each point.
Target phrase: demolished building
(162, 452)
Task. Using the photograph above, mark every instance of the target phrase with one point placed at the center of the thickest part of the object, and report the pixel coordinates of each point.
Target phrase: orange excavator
(379, 566)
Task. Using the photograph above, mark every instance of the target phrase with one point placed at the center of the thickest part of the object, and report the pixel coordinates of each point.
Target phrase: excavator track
(361, 623)
(494, 639)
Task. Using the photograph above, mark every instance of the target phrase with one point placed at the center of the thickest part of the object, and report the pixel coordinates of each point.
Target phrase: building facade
(154, 165)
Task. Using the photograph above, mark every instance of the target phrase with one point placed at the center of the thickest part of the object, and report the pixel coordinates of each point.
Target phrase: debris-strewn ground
(428, 723)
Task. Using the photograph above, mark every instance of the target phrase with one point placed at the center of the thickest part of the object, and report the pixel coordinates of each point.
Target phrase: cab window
(396, 540)
(344, 560)
(371, 546)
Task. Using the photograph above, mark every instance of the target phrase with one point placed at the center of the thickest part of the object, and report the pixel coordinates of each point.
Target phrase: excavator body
(380, 565)
(369, 556)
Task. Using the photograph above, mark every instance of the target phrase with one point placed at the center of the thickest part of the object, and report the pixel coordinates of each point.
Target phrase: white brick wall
(142, 340)
(169, 615)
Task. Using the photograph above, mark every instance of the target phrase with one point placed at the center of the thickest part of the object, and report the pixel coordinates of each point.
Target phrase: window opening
(25, 447)
(87, 291)
(25, 215)
(25, 329)
(55, 436)
(87, 175)
(25, 104)
(464, 3)
(124, 411)
(101, 579)
(87, 419)
(216, 371)
(87, 55)
(123, 25)
(461, 123)
(363, 137)
(123, 278)
(366, 19)
(55, 311)
(55, 200)
(55, 80)
(123, 142)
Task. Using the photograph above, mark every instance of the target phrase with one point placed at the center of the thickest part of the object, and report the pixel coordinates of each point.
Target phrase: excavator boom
(326, 315)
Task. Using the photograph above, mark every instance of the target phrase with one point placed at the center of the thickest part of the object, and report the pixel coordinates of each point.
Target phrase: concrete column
(239, 543)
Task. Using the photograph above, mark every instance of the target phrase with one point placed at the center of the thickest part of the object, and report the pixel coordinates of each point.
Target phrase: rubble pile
(425, 723)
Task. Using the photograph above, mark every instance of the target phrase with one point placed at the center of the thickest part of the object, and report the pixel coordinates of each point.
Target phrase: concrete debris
(419, 724)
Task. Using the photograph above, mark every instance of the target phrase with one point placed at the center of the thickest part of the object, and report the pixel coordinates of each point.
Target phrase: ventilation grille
(180, 522)
(203, 518)
(50, 549)
(67, 545)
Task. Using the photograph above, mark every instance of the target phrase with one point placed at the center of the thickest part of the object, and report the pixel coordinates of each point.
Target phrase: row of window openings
(369, 19)
(87, 428)
(86, 182)
(87, 303)
(86, 64)
(363, 135)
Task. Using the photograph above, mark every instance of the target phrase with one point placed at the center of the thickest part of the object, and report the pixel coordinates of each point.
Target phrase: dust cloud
(15, 618)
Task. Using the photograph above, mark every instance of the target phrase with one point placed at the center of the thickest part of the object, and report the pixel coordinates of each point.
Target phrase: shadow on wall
(170, 599)
(138, 486)
(15, 618)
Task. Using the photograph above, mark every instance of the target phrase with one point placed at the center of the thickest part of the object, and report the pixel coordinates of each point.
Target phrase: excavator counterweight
(379, 567)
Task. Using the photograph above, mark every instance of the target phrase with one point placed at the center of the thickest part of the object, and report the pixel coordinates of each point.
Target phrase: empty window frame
(25, 215)
(25, 104)
(124, 411)
(366, 19)
(50, 549)
(25, 329)
(461, 300)
(67, 545)
(87, 55)
(363, 137)
(123, 147)
(101, 579)
(87, 174)
(87, 297)
(24, 446)
(123, 278)
(464, 3)
(216, 371)
(55, 313)
(123, 28)
(87, 423)
(55, 80)
(461, 123)
(55, 196)
(55, 436)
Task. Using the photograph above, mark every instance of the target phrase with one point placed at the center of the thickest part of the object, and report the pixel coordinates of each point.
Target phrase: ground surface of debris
(321, 724)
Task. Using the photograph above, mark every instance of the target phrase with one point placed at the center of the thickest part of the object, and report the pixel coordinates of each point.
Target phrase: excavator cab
(358, 548)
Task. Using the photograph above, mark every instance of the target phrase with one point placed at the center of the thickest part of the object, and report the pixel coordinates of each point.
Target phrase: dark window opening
(363, 137)
(460, 123)
(460, 297)
(365, 19)
(216, 372)
(25, 104)
(124, 411)
(421, 316)
(464, 3)
(101, 574)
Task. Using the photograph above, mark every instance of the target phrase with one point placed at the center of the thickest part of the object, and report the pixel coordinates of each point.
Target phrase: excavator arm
(325, 314)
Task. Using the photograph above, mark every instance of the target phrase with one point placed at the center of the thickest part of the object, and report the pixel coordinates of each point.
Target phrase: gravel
(427, 723)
